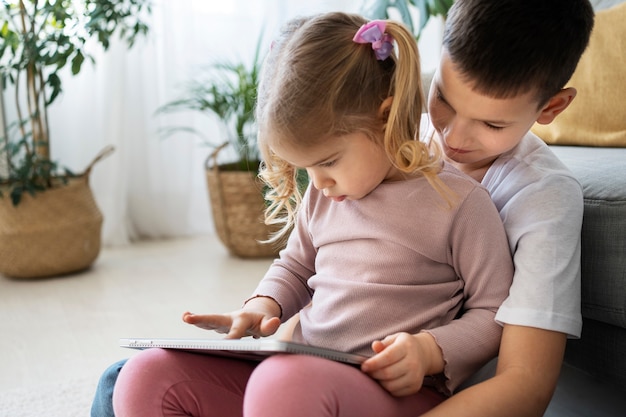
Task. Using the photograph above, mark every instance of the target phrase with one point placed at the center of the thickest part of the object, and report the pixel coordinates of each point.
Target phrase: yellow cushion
(597, 116)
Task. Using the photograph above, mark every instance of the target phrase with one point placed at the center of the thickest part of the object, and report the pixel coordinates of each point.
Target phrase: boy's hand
(258, 318)
(402, 360)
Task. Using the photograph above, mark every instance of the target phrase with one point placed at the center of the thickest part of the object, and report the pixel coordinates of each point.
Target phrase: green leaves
(38, 38)
(54, 82)
(46, 34)
(227, 91)
(10, 38)
(77, 62)
(105, 17)
(28, 172)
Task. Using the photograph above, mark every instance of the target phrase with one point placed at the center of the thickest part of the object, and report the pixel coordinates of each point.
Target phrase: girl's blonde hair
(317, 83)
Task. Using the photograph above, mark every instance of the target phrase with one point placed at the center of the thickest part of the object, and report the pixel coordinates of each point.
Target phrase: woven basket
(52, 233)
(237, 205)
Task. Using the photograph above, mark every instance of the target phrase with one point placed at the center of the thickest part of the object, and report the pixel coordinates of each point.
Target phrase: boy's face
(475, 129)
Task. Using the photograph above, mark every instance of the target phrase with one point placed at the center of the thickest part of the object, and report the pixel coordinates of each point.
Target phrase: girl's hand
(236, 324)
(402, 360)
(259, 317)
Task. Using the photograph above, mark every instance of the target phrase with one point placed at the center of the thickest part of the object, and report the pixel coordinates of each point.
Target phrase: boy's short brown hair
(511, 47)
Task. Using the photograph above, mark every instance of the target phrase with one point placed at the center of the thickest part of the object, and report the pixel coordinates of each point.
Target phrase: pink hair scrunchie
(374, 32)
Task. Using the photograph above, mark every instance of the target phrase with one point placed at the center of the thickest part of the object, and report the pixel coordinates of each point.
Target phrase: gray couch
(593, 379)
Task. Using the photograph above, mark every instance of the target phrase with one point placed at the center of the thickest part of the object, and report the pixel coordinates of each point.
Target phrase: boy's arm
(529, 364)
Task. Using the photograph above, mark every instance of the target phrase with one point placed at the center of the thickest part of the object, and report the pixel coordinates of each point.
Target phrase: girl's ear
(385, 108)
(556, 105)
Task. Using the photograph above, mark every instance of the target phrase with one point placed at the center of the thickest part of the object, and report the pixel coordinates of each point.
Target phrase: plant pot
(52, 233)
(237, 205)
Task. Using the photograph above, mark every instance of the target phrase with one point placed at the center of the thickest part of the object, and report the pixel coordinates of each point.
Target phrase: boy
(503, 67)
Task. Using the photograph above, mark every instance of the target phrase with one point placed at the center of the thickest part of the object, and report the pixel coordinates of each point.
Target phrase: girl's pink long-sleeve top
(398, 260)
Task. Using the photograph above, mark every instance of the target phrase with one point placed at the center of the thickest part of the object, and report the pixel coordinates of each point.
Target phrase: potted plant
(226, 91)
(49, 222)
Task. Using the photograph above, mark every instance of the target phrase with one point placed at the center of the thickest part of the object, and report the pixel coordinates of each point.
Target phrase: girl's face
(475, 129)
(342, 167)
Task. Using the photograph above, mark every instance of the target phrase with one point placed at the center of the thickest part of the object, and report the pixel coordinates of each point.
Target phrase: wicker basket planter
(54, 233)
(237, 205)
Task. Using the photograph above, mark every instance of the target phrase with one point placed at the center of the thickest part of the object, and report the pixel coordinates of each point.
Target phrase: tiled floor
(69, 327)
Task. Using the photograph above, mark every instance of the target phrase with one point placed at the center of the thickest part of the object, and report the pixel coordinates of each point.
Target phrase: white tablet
(251, 349)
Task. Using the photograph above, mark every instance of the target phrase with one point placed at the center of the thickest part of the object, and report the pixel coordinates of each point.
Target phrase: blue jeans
(102, 405)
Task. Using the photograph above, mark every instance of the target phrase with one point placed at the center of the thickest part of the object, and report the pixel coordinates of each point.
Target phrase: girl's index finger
(219, 322)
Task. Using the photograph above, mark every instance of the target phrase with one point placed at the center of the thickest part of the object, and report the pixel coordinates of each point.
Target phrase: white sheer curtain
(152, 187)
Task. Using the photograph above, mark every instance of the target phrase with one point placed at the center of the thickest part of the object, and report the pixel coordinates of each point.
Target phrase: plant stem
(29, 77)
(44, 116)
(5, 130)
(33, 89)
(42, 144)
(18, 106)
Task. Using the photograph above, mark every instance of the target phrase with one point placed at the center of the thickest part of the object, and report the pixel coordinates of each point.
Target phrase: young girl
(393, 253)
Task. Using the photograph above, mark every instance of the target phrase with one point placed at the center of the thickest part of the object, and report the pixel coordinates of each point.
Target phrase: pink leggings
(167, 383)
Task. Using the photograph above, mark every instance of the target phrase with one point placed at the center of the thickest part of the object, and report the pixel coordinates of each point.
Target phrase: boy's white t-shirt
(541, 205)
